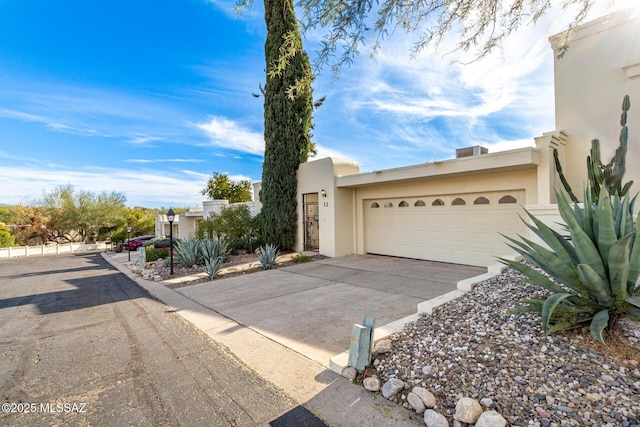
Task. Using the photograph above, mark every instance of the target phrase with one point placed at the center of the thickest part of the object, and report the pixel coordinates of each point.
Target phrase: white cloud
(146, 188)
(229, 134)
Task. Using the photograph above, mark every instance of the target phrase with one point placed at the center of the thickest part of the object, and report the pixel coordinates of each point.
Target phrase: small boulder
(491, 419)
(350, 373)
(383, 346)
(426, 396)
(416, 403)
(468, 410)
(435, 419)
(372, 384)
(392, 387)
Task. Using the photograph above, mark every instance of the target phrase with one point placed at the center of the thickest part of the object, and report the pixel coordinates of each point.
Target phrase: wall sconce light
(323, 192)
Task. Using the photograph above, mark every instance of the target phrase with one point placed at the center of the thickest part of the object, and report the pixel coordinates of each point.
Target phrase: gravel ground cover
(472, 347)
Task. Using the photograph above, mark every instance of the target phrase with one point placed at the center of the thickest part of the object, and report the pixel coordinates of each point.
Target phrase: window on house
(437, 202)
(458, 202)
(403, 204)
(375, 205)
(481, 201)
(507, 199)
(388, 205)
(419, 203)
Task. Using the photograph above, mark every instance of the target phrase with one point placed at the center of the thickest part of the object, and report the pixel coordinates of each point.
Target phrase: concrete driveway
(311, 308)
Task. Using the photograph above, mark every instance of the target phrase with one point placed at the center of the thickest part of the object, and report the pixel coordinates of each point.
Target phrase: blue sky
(149, 98)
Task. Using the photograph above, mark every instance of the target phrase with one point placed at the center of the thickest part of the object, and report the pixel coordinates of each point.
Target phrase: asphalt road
(82, 344)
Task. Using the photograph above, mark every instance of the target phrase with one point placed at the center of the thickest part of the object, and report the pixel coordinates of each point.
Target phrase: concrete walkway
(286, 324)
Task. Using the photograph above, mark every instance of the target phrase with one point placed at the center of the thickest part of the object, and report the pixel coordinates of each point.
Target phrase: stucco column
(548, 179)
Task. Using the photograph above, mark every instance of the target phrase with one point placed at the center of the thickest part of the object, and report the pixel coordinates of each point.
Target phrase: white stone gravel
(472, 347)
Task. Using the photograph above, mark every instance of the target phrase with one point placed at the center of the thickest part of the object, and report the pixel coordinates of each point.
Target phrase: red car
(136, 242)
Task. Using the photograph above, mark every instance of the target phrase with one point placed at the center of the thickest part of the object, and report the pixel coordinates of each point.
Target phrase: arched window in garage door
(507, 199)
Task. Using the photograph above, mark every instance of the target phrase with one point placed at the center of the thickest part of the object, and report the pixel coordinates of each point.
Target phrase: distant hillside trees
(81, 215)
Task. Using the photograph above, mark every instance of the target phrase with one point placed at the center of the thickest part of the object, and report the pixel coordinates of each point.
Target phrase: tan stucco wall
(335, 210)
(523, 179)
(601, 66)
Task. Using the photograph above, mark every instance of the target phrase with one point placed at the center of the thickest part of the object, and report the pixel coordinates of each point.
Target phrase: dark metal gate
(311, 222)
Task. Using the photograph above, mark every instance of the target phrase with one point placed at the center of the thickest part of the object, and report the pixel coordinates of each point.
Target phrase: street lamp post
(170, 217)
(129, 240)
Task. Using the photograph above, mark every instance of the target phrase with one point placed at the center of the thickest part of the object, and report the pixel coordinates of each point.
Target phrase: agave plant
(188, 252)
(592, 273)
(212, 266)
(595, 269)
(267, 255)
(214, 248)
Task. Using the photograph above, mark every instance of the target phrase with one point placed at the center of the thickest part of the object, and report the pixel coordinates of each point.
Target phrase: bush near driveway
(155, 253)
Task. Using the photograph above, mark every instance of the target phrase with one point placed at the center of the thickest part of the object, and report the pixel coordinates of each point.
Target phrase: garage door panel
(463, 234)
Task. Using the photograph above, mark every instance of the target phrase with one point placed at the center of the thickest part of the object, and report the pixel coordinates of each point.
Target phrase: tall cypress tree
(287, 123)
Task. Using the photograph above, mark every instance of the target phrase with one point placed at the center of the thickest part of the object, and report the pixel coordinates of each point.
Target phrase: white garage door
(457, 228)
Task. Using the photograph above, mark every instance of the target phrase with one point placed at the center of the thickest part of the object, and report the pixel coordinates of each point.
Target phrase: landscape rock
(491, 419)
(435, 419)
(426, 396)
(350, 373)
(416, 403)
(474, 346)
(383, 346)
(392, 387)
(372, 384)
(468, 410)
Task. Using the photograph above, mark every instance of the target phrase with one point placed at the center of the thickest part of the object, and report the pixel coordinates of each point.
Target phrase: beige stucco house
(456, 210)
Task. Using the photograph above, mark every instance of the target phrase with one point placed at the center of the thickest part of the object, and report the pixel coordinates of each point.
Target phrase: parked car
(136, 242)
(159, 242)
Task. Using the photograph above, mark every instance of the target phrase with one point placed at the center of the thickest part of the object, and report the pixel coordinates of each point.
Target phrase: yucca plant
(592, 273)
(267, 255)
(188, 252)
(212, 266)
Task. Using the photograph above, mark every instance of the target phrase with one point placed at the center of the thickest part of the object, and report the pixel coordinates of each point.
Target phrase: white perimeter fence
(52, 249)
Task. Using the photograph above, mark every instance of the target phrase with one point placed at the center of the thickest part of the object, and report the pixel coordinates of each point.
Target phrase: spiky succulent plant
(267, 255)
(212, 266)
(593, 272)
(188, 252)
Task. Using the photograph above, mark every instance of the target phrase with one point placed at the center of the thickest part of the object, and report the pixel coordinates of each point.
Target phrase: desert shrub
(153, 254)
(234, 224)
(300, 258)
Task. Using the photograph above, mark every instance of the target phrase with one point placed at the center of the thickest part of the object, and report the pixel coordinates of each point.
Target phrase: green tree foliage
(220, 186)
(287, 122)
(6, 238)
(80, 216)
